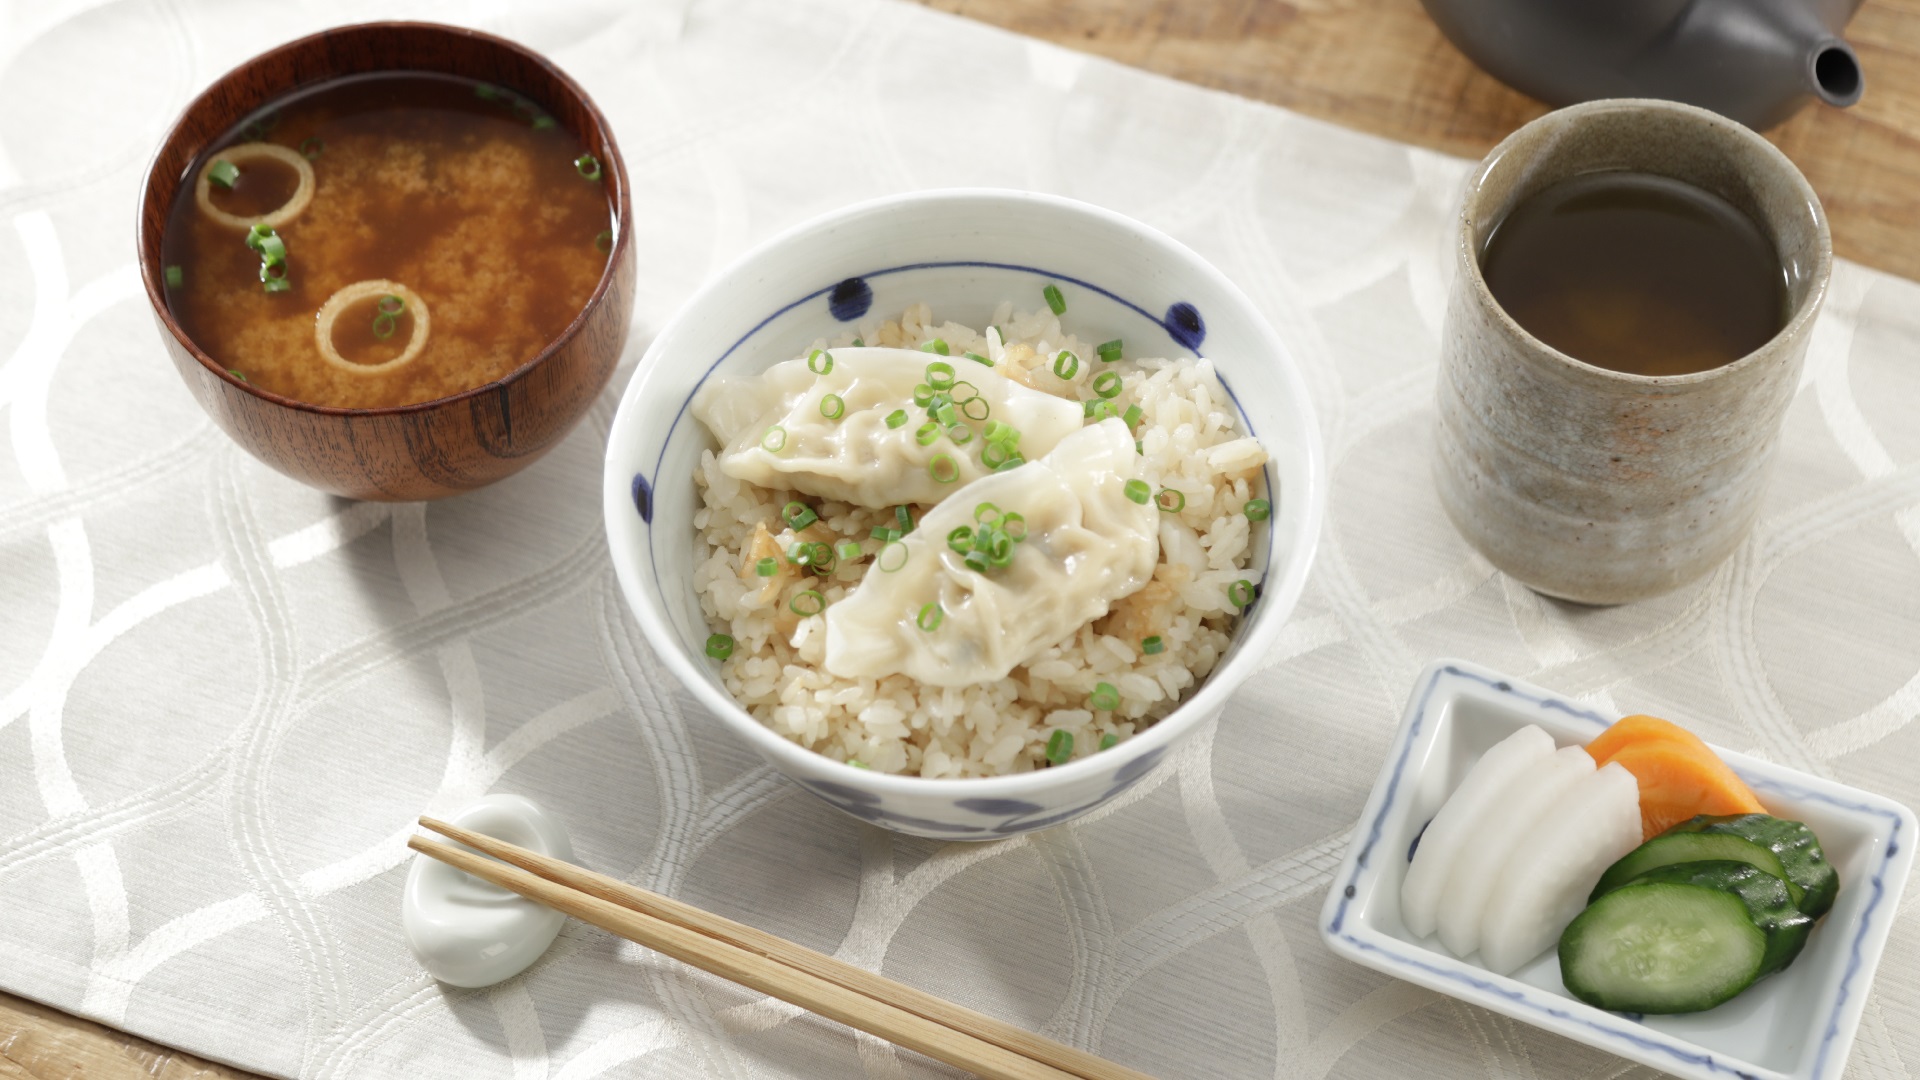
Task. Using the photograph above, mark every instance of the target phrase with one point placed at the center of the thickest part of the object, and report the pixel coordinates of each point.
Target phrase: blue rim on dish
(1566, 1009)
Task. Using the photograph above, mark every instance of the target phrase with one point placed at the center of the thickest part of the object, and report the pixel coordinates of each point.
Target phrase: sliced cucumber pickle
(1681, 847)
(1662, 947)
(1792, 842)
(1769, 907)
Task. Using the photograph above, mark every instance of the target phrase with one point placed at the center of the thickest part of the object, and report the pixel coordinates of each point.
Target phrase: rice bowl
(964, 253)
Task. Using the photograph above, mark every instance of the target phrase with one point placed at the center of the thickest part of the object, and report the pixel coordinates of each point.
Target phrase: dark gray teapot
(1756, 61)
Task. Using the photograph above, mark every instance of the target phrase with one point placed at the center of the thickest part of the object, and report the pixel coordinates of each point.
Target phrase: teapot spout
(1834, 73)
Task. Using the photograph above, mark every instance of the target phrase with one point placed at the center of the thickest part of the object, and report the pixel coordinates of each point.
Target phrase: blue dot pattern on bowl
(1184, 324)
(643, 497)
(1014, 816)
(850, 299)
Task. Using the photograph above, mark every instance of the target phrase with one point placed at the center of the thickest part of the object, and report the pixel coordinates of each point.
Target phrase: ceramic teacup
(1603, 486)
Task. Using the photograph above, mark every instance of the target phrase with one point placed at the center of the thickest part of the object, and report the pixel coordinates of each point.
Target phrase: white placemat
(223, 697)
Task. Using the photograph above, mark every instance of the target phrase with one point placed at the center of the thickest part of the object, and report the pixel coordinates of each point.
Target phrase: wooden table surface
(1375, 65)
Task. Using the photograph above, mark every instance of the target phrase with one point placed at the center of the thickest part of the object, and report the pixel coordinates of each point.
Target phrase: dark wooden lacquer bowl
(435, 448)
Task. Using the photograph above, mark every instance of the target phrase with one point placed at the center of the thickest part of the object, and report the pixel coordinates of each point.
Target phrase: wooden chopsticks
(772, 965)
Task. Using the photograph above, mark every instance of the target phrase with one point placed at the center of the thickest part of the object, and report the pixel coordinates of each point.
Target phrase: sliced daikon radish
(1464, 899)
(1459, 819)
(1547, 878)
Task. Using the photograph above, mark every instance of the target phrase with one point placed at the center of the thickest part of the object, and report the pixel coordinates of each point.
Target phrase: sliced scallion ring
(719, 646)
(1109, 741)
(798, 515)
(893, 556)
(1066, 365)
(774, 439)
(930, 617)
(1153, 646)
(1104, 698)
(926, 433)
(1014, 525)
(937, 345)
(767, 567)
(223, 173)
(1055, 301)
(1107, 384)
(848, 550)
(960, 539)
(978, 359)
(940, 373)
(807, 603)
(1139, 491)
(896, 418)
(1240, 593)
(986, 511)
(943, 469)
(1170, 501)
(588, 166)
(1109, 351)
(1060, 747)
(961, 434)
(1258, 509)
(820, 361)
(832, 406)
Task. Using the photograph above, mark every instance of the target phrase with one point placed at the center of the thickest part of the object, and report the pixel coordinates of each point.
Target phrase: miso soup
(387, 239)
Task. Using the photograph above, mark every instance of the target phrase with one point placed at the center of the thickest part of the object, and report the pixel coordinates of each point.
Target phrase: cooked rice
(1191, 441)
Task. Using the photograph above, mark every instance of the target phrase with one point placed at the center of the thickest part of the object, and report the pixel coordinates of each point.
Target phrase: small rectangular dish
(1795, 1025)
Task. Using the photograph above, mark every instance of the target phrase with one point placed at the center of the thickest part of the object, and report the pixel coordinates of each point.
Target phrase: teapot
(1754, 61)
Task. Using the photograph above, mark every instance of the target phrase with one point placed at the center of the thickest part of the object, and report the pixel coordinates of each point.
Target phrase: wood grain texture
(436, 448)
(1376, 65)
(1381, 66)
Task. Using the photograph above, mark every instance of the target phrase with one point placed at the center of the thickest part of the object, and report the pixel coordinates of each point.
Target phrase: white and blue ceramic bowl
(963, 252)
(1795, 1025)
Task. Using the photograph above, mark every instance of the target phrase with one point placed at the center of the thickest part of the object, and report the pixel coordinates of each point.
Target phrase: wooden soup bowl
(434, 448)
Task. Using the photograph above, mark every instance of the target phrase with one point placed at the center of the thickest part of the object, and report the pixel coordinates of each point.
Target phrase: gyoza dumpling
(1087, 544)
(856, 457)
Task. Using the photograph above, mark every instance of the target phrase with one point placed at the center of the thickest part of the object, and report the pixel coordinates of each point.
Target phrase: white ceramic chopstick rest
(467, 932)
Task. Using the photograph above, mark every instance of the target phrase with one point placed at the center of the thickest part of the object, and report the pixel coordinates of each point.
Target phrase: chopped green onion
(1110, 351)
(1240, 593)
(930, 616)
(922, 395)
(832, 406)
(1139, 491)
(848, 551)
(960, 539)
(896, 418)
(486, 92)
(272, 249)
(995, 455)
(977, 561)
(603, 241)
(1013, 462)
(927, 432)
(175, 278)
(820, 558)
(383, 325)
(986, 511)
(1109, 741)
(1060, 747)
(767, 567)
(1054, 300)
(1066, 365)
(1107, 384)
(237, 374)
(1099, 409)
(272, 282)
(953, 392)
(1153, 646)
(1170, 501)
(391, 305)
(1000, 550)
(1004, 433)
(943, 469)
(946, 415)
(961, 434)
(905, 517)
(937, 345)
(940, 373)
(798, 515)
(1139, 446)
(820, 361)
(884, 534)
(774, 440)
(1014, 525)
(968, 409)
(588, 166)
(800, 552)
(544, 122)
(858, 764)
(1258, 510)
(807, 603)
(893, 556)
(978, 359)
(719, 646)
(859, 343)
(313, 146)
(1104, 697)
(223, 173)
(1133, 415)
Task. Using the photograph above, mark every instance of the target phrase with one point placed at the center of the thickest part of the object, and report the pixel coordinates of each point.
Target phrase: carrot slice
(1632, 729)
(1680, 778)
